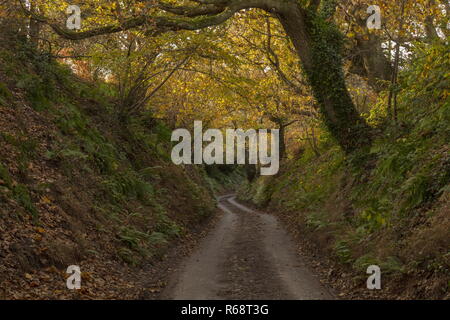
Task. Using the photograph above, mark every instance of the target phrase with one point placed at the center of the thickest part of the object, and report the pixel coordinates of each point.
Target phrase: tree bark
(375, 64)
(318, 45)
(282, 129)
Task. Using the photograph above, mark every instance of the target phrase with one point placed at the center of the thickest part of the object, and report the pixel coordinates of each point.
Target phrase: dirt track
(248, 255)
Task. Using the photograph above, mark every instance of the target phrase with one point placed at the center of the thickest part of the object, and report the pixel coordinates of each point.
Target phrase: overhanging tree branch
(207, 14)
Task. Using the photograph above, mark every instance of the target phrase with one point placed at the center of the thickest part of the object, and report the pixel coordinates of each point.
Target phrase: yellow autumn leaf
(40, 230)
(45, 200)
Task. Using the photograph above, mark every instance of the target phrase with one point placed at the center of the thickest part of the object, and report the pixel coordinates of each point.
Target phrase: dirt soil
(247, 255)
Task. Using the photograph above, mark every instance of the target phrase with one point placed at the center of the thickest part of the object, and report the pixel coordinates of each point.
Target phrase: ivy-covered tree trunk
(318, 43)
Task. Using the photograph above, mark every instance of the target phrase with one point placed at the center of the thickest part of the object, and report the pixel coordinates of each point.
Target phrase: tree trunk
(374, 62)
(282, 129)
(430, 29)
(35, 26)
(318, 44)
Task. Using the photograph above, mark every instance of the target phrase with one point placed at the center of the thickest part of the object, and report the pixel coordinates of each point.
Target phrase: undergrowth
(380, 207)
(117, 166)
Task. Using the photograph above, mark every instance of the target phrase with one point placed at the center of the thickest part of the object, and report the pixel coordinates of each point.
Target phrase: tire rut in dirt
(247, 272)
